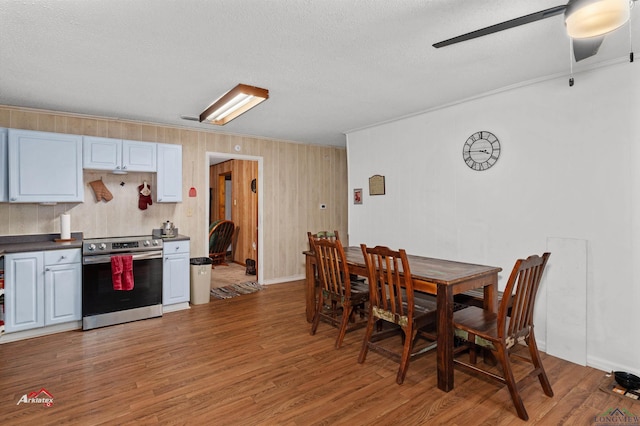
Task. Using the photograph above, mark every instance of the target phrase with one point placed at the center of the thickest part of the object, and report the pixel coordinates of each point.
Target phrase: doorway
(230, 206)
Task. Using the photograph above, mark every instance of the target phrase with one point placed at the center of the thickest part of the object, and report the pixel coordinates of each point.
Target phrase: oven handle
(92, 260)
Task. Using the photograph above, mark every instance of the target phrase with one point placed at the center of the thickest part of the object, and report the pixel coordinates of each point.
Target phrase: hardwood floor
(233, 273)
(251, 361)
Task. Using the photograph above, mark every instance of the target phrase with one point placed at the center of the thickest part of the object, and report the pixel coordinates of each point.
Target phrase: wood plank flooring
(251, 361)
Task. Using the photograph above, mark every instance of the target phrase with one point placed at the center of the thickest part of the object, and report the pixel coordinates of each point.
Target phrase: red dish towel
(122, 272)
(116, 272)
(127, 272)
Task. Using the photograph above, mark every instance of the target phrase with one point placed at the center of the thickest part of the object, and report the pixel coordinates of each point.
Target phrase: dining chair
(501, 333)
(340, 301)
(394, 309)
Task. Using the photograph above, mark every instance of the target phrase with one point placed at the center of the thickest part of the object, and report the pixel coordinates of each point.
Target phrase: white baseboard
(175, 307)
(604, 365)
(281, 280)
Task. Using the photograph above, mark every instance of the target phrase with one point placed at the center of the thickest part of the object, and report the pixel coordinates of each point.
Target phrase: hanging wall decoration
(376, 185)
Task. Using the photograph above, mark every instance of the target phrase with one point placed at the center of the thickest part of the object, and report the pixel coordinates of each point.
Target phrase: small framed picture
(376, 185)
(357, 196)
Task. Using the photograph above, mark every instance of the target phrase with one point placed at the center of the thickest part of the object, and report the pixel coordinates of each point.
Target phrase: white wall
(568, 169)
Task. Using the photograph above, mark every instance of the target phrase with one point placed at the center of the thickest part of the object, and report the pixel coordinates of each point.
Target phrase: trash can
(200, 280)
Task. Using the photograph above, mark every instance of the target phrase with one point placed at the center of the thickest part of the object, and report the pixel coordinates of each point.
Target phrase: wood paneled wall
(244, 208)
(297, 178)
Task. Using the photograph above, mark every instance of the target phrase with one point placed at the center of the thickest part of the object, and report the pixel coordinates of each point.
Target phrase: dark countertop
(43, 242)
(37, 242)
(178, 237)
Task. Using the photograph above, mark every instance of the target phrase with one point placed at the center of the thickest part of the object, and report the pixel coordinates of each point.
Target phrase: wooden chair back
(322, 235)
(390, 283)
(515, 314)
(331, 263)
(220, 238)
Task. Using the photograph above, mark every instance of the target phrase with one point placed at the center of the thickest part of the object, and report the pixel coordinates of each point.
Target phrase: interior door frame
(218, 157)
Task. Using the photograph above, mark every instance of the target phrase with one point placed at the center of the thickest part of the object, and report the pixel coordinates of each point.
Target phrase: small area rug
(233, 290)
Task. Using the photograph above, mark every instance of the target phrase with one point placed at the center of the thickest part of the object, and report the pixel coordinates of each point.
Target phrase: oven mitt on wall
(100, 191)
(144, 199)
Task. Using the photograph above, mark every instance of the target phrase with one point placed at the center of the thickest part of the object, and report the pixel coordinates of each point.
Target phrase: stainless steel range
(105, 300)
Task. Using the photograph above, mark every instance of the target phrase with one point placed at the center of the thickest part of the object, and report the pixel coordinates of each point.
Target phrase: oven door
(98, 295)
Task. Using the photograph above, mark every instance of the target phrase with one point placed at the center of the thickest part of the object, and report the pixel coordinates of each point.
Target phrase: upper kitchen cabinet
(44, 167)
(118, 155)
(169, 188)
(4, 166)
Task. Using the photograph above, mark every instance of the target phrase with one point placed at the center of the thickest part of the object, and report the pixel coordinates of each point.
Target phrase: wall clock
(481, 150)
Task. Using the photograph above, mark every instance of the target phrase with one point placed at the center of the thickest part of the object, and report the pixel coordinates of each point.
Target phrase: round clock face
(481, 150)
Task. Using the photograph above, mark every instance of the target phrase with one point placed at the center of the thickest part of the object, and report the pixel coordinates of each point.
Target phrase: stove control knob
(91, 247)
(146, 243)
(155, 242)
(102, 246)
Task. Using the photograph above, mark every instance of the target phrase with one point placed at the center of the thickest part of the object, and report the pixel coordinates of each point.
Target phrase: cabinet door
(45, 167)
(175, 272)
(62, 293)
(138, 156)
(169, 187)
(24, 291)
(4, 166)
(101, 153)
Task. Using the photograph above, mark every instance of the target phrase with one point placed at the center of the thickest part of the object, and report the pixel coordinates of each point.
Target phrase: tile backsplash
(120, 216)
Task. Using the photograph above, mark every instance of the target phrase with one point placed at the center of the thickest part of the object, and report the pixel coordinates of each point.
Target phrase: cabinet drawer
(174, 247)
(60, 257)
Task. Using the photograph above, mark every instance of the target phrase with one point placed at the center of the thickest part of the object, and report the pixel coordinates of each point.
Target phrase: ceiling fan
(587, 22)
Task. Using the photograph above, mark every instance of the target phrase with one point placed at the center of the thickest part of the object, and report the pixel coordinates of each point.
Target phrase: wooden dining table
(439, 277)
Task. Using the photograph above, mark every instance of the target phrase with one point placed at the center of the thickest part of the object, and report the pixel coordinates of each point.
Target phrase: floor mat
(233, 290)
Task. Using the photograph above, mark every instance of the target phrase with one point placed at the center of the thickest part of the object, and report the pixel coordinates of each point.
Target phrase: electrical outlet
(323, 206)
(189, 212)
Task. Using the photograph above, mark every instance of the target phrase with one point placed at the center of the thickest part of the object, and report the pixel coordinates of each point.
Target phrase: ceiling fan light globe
(592, 18)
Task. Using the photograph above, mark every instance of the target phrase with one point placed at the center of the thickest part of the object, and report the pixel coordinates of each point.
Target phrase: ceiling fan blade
(586, 47)
(536, 16)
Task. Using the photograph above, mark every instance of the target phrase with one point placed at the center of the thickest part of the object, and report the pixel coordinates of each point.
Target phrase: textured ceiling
(331, 66)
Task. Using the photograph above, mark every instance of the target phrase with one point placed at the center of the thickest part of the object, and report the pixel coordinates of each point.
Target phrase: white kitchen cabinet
(118, 155)
(44, 167)
(169, 187)
(24, 291)
(42, 289)
(62, 286)
(101, 153)
(175, 272)
(4, 166)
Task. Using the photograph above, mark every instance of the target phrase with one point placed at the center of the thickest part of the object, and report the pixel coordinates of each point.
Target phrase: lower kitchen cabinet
(175, 272)
(62, 286)
(24, 291)
(42, 289)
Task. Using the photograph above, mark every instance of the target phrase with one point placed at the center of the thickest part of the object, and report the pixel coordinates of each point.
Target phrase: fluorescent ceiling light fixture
(592, 18)
(235, 102)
